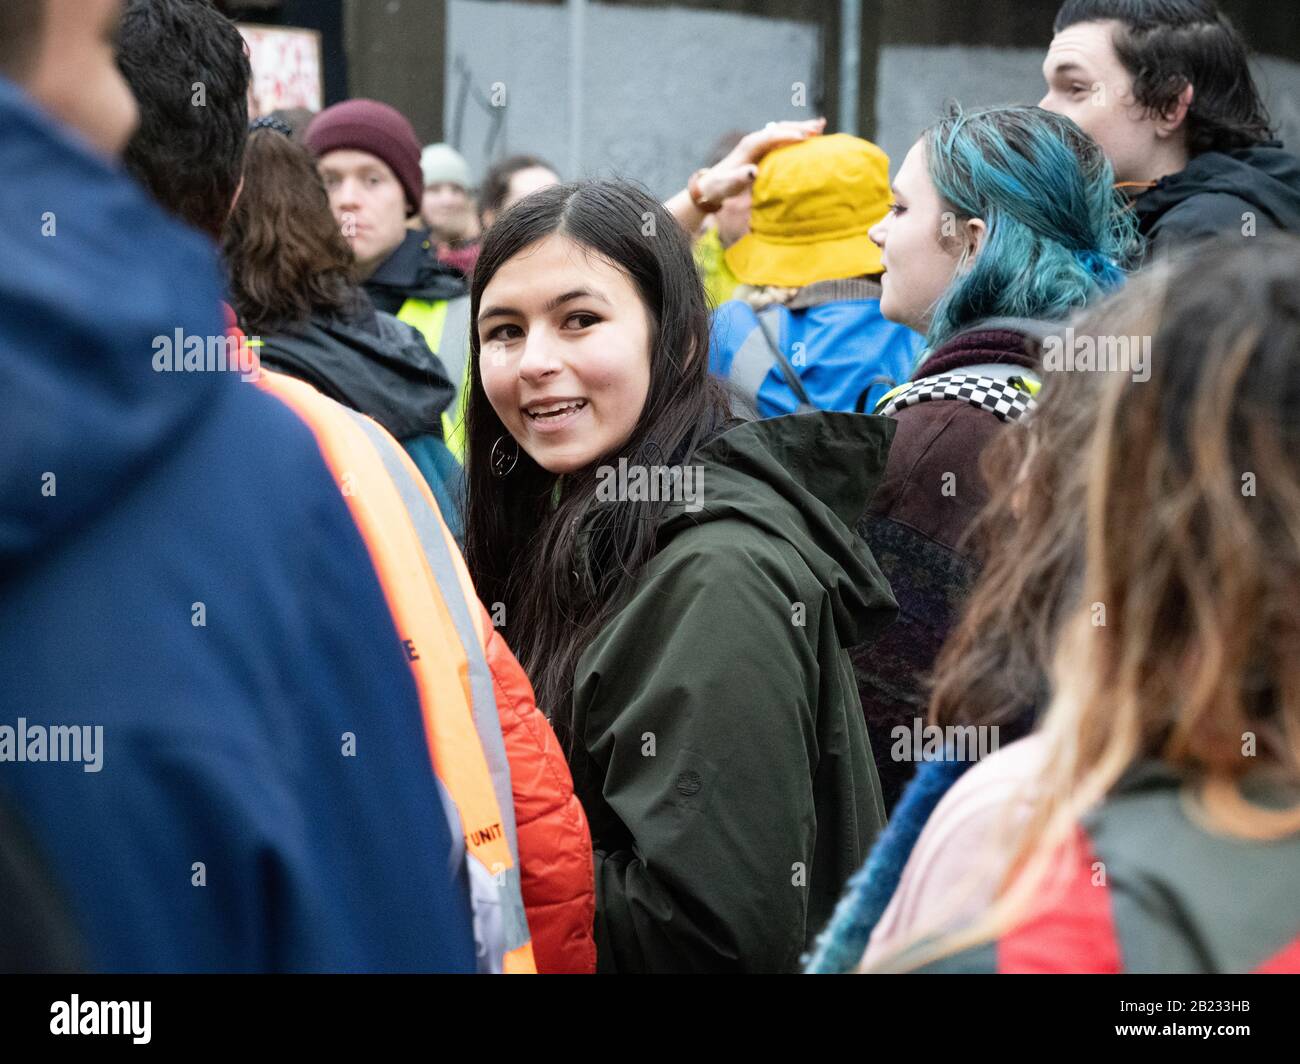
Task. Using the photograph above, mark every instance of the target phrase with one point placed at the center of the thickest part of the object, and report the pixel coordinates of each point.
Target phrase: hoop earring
(503, 461)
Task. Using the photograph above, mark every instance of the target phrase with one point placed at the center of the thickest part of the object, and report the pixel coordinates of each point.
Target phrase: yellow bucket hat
(813, 204)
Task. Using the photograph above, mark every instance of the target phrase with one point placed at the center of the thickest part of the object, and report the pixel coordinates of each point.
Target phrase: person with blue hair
(1004, 222)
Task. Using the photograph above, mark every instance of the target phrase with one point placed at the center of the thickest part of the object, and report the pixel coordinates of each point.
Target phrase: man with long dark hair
(1165, 87)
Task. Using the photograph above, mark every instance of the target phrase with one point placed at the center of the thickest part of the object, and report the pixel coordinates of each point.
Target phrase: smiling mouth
(555, 411)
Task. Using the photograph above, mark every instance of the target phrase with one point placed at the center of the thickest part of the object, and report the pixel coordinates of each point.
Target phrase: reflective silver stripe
(453, 345)
(482, 697)
(750, 367)
(485, 900)
(757, 356)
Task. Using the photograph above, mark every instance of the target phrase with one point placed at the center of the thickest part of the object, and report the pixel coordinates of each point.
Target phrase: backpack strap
(753, 361)
(1003, 390)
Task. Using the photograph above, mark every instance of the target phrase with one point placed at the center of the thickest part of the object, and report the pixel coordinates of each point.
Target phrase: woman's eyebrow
(551, 304)
(498, 312)
(577, 293)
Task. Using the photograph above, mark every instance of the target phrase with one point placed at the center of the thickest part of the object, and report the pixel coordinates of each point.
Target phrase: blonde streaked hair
(1193, 553)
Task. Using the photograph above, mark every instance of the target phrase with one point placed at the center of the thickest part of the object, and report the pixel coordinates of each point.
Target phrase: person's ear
(689, 360)
(974, 233)
(1172, 121)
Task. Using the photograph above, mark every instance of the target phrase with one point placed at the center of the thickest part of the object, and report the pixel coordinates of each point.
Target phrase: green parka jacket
(721, 752)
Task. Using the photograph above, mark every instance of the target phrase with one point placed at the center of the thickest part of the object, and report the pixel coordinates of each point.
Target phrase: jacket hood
(388, 373)
(85, 409)
(413, 272)
(1264, 176)
(805, 479)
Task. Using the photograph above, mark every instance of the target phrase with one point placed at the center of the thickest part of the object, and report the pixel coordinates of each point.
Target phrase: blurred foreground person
(522, 833)
(1004, 222)
(1169, 755)
(1165, 87)
(192, 638)
(680, 588)
(291, 276)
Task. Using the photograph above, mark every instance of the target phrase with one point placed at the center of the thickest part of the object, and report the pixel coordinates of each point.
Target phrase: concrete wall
(660, 86)
(916, 80)
(663, 83)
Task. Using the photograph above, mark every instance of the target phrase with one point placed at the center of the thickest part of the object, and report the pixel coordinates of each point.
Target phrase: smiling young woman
(690, 652)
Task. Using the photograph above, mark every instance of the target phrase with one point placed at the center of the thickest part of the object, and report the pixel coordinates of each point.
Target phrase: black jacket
(372, 363)
(1215, 194)
(413, 272)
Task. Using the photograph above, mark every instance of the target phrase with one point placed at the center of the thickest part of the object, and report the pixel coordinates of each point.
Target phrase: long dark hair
(283, 249)
(1166, 45)
(560, 572)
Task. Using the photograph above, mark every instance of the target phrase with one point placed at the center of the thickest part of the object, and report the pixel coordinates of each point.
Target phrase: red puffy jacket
(555, 862)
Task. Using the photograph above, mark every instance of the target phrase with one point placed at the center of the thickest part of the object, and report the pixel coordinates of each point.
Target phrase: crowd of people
(842, 565)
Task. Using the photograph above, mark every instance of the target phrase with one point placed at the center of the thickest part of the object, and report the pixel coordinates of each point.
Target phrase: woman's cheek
(599, 374)
(498, 386)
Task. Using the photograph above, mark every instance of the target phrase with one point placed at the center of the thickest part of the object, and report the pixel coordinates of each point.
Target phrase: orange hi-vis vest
(440, 623)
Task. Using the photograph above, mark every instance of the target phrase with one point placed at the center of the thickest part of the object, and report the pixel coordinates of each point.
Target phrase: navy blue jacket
(127, 498)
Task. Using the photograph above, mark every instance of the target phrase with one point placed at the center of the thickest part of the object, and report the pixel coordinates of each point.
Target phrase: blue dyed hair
(1058, 233)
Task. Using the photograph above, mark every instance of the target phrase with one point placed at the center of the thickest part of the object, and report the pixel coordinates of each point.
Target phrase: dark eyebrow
(577, 293)
(1066, 68)
(551, 304)
(498, 312)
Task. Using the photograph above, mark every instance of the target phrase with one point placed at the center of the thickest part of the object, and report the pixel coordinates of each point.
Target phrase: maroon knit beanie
(374, 127)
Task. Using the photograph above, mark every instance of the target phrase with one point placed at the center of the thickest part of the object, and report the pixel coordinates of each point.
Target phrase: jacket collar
(412, 272)
(844, 290)
(1014, 341)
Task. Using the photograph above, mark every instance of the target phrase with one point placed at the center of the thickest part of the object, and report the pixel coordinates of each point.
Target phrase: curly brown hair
(286, 256)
